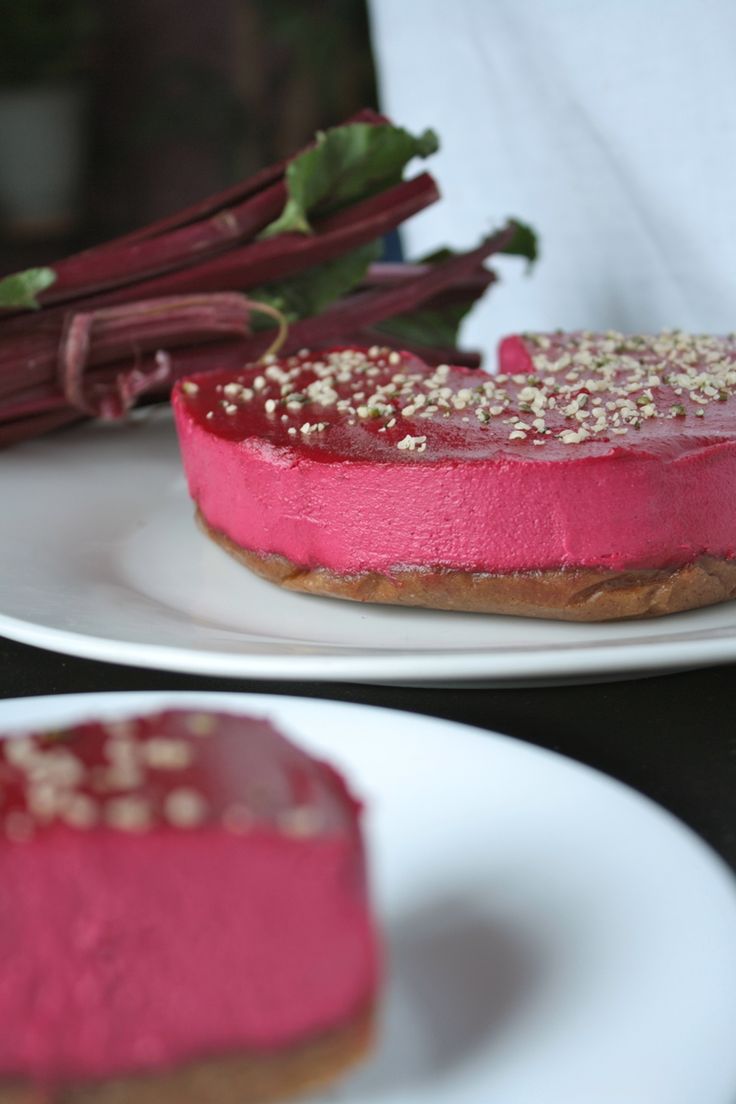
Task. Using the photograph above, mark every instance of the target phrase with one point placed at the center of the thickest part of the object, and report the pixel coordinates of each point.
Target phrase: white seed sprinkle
(166, 753)
(81, 811)
(411, 444)
(200, 724)
(185, 808)
(128, 814)
(302, 821)
(20, 751)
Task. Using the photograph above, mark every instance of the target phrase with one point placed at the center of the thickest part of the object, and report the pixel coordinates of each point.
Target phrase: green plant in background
(45, 41)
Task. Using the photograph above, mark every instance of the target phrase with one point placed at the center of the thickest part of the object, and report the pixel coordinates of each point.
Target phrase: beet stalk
(160, 325)
(131, 262)
(235, 194)
(26, 341)
(264, 262)
(367, 308)
(184, 326)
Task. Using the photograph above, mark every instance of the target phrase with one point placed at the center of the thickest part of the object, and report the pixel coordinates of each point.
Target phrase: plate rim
(579, 660)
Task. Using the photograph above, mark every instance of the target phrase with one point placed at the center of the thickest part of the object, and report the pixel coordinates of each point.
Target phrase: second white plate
(100, 558)
(554, 938)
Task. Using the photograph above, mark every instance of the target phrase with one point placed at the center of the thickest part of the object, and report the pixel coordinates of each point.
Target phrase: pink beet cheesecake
(184, 915)
(593, 478)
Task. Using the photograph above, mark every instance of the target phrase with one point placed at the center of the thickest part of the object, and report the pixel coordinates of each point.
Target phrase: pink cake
(590, 480)
(184, 915)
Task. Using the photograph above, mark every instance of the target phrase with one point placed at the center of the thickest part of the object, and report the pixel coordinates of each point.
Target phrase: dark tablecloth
(672, 737)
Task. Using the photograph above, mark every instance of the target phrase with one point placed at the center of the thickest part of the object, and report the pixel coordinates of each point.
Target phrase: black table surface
(671, 737)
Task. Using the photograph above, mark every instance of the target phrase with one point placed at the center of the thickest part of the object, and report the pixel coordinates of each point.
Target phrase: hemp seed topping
(581, 389)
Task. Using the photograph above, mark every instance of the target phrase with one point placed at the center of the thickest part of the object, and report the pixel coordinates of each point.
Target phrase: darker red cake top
(557, 396)
(177, 770)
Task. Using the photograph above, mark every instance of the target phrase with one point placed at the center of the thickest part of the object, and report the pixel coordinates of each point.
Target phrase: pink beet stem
(136, 329)
(446, 282)
(185, 317)
(130, 262)
(386, 274)
(261, 262)
(367, 308)
(210, 205)
(28, 360)
(264, 262)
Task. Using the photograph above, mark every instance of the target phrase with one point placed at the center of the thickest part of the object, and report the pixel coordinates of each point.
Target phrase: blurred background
(113, 114)
(608, 127)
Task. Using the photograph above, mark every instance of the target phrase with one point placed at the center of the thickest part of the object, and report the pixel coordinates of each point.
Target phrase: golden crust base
(570, 594)
(236, 1079)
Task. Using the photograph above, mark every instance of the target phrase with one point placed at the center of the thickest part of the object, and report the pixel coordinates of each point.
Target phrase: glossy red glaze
(451, 434)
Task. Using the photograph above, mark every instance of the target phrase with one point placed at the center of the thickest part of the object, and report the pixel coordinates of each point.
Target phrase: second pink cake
(184, 915)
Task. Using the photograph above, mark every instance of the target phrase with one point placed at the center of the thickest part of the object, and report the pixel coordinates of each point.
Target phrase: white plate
(100, 557)
(554, 937)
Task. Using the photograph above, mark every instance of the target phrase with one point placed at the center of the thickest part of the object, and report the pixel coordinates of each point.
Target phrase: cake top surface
(557, 396)
(175, 770)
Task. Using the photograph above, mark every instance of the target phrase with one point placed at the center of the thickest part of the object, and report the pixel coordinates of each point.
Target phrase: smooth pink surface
(124, 955)
(350, 501)
(126, 951)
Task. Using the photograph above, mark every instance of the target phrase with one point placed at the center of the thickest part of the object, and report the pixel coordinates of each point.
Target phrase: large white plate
(554, 938)
(100, 557)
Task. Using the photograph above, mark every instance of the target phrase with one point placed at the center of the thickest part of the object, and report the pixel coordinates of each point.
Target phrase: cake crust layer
(235, 1079)
(570, 594)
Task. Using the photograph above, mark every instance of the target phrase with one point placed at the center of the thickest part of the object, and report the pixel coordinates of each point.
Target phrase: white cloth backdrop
(610, 125)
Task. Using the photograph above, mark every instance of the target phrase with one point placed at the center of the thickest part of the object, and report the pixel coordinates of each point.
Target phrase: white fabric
(610, 125)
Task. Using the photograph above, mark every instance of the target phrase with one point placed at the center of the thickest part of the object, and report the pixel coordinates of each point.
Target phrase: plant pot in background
(42, 140)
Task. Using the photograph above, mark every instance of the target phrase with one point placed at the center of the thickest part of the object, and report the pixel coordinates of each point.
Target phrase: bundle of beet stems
(286, 259)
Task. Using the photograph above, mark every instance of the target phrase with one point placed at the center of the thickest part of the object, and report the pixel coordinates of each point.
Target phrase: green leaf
(21, 289)
(311, 291)
(436, 326)
(441, 325)
(524, 242)
(346, 164)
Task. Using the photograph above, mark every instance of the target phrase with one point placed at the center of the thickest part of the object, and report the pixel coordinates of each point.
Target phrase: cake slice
(593, 479)
(184, 915)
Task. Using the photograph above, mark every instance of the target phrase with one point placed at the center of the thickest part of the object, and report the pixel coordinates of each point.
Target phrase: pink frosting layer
(129, 949)
(471, 500)
(135, 954)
